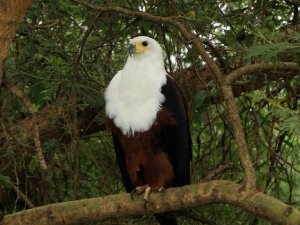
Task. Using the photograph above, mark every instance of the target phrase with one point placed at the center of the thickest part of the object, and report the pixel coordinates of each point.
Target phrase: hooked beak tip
(131, 49)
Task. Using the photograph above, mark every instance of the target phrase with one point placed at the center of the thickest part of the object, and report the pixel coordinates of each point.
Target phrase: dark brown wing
(177, 137)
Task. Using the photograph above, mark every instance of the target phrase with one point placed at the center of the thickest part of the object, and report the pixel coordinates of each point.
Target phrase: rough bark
(173, 199)
(261, 67)
(11, 14)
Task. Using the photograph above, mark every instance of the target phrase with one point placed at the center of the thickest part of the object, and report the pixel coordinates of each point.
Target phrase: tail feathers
(166, 219)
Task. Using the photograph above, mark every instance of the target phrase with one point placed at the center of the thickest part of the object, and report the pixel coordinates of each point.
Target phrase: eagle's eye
(145, 43)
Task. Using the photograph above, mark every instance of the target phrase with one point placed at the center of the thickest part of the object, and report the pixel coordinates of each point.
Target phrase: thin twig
(23, 196)
(36, 132)
(215, 173)
(46, 25)
(84, 39)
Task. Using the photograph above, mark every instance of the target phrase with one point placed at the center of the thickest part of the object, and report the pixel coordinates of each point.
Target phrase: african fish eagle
(146, 115)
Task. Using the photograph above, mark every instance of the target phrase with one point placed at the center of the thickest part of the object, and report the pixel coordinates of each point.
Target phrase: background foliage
(64, 56)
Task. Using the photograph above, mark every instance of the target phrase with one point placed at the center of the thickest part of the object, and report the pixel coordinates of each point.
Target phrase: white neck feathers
(134, 96)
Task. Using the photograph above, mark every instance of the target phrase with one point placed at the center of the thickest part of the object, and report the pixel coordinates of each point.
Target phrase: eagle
(146, 114)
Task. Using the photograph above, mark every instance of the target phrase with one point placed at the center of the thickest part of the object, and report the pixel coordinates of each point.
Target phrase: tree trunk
(11, 14)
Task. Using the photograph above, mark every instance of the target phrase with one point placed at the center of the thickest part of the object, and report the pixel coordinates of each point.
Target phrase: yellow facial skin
(136, 48)
(139, 48)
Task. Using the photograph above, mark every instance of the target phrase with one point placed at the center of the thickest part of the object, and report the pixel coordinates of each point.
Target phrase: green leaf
(199, 98)
(289, 120)
(267, 52)
(256, 96)
(4, 181)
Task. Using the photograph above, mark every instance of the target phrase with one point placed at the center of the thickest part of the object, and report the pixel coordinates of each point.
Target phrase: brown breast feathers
(146, 159)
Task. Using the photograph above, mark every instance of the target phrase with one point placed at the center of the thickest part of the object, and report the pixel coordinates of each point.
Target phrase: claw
(138, 190)
(147, 193)
(147, 196)
(145, 204)
(161, 189)
(147, 190)
(132, 193)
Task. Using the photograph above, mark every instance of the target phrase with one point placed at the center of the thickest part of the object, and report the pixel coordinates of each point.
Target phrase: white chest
(134, 97)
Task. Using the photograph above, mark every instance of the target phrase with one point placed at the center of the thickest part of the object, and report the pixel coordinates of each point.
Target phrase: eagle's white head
(134, 96)
(144, 54)
(143, 46)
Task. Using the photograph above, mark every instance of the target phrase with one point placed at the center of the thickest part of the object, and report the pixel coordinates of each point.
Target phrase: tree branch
(22, 195)
(36, 132)
(261, 67)
(235, 120)
(173, 199)
(212, 175)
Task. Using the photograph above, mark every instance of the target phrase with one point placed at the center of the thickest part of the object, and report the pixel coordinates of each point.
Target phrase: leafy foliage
(58, 67)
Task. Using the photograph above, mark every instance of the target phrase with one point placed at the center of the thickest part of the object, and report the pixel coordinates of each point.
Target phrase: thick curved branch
(173, 199)
(261, 67)
(235, 120)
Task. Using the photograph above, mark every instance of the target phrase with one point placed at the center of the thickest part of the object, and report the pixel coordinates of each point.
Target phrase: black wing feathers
(122, 164)
(177, 137)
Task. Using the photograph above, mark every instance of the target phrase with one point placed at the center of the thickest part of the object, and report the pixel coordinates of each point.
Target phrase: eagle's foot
(138, 190)
(132, 193)
(146, 189)
(147, 194)
(161, 189)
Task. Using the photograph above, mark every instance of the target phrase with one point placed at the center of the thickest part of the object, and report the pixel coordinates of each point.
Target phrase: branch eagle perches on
(173, 199)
